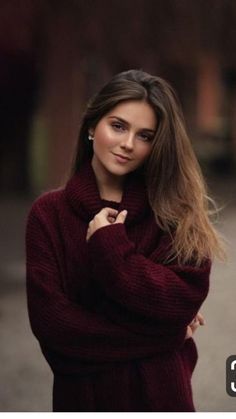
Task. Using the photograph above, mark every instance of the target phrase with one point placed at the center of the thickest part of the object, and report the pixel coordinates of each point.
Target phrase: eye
(118, 126)
(146, 137)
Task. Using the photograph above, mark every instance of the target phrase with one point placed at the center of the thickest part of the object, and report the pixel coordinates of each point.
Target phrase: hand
(192, 327)
(105, 217)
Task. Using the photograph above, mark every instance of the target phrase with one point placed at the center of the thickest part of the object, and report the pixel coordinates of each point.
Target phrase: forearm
(170, 295)
(73, 331)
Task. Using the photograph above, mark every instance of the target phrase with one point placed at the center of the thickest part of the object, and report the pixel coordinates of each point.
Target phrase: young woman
(118, 260)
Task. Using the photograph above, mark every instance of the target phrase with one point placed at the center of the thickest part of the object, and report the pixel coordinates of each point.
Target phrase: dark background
(53, 56)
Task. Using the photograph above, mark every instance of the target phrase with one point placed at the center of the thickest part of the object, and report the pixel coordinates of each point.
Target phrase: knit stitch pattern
(109, 315)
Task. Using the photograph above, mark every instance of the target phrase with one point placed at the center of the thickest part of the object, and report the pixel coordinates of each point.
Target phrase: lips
(123, 157)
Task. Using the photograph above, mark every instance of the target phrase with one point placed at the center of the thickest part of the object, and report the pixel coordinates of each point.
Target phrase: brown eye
(146, 137)
(118, 126)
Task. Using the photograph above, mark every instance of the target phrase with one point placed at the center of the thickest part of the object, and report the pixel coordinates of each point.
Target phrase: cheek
(144, 152)
(104, 137)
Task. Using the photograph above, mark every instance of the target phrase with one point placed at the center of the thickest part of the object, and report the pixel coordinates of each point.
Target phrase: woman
(118, 260)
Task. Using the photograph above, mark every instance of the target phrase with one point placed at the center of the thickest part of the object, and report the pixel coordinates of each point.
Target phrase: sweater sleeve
(169, 294)
(66, 328)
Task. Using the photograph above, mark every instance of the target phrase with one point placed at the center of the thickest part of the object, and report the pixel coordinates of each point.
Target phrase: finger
(195, 326)
(189, 333)
(200, 318)
(121, 217)
(111, 219)
(109, 212)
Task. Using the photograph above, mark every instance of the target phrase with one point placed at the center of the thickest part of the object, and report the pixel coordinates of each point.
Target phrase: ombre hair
(175, 185)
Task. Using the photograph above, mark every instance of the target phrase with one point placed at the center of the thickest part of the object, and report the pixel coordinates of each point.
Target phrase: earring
(90, 137)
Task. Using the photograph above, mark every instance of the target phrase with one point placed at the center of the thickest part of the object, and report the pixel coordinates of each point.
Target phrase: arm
(69, 329)
(169, 294)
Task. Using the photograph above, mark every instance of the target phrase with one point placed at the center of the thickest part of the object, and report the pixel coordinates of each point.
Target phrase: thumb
(121, 217)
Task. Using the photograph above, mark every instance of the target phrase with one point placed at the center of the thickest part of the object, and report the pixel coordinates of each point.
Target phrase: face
(123, 138)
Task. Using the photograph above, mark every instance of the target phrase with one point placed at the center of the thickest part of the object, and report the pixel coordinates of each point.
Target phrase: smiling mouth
(122, 157)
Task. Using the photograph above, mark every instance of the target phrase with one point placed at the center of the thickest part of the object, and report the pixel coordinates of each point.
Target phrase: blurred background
(53, 56)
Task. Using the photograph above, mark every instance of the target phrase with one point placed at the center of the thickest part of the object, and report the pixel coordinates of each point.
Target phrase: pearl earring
(90, 137)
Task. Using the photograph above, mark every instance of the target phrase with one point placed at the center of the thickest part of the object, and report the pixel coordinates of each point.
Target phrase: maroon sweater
(110, 317)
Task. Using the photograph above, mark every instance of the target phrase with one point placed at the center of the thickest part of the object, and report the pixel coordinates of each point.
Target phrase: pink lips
(122, 157)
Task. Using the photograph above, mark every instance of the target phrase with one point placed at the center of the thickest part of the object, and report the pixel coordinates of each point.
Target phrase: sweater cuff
(110, 241)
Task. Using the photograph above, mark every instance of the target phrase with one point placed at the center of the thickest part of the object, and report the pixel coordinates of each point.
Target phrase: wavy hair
(175, 185)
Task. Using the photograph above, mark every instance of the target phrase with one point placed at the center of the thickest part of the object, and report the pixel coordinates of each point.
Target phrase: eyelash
(146, 136)
(119, 127)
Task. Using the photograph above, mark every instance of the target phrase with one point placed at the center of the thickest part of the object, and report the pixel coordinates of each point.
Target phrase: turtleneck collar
(83, 195)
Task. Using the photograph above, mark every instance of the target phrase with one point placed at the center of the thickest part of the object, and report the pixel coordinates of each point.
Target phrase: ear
(91, 131)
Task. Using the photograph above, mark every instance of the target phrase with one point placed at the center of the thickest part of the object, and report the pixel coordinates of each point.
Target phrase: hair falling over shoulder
(175, 185)
(178, 193)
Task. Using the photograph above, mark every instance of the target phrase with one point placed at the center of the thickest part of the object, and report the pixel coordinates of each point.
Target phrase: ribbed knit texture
(109, 316)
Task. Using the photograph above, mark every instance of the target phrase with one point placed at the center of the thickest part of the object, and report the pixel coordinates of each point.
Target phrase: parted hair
(176, 188)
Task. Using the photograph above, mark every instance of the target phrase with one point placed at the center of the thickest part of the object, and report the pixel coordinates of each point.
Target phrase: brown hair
(175, 185)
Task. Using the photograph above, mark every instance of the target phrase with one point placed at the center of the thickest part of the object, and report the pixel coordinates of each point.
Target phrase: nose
(128, 141)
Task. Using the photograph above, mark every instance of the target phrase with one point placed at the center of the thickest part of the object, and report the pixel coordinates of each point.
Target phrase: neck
(110, 186)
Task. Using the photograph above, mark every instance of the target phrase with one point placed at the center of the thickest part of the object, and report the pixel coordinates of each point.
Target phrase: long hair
(175, 185)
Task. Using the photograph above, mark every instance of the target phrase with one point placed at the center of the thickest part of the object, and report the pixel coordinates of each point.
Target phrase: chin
(118, 172)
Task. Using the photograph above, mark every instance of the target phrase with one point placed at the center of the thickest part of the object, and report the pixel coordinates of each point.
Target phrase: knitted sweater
(109, 315)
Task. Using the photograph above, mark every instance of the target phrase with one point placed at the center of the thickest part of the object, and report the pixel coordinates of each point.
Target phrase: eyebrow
(127, 123)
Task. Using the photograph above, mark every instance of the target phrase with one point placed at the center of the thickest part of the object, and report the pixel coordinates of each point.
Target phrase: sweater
(110, 316)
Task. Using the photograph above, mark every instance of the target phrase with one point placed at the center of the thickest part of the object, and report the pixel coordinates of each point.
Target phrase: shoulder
(47, 204)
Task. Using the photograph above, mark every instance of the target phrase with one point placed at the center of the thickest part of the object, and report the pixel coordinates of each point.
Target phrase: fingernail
(125, 212)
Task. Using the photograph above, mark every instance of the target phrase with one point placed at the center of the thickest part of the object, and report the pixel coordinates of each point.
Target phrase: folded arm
(68, 328)
(168, 294)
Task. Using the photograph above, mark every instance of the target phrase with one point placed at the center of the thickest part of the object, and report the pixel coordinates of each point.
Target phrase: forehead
(134, 111)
